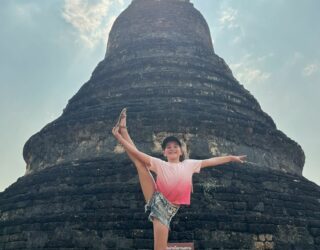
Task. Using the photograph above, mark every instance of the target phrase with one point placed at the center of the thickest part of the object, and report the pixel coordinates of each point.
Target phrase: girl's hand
(240, 158)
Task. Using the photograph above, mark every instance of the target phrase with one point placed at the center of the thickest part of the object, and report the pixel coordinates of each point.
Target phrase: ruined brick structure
(81, 191)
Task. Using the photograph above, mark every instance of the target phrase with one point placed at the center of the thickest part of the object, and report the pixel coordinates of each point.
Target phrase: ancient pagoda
(81, 191)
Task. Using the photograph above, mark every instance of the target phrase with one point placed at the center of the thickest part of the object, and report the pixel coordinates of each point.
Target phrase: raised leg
(145, 178)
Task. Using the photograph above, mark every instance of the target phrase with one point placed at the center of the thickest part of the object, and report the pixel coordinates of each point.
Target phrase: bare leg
(147, 183)
(146, 179)
(161, 233)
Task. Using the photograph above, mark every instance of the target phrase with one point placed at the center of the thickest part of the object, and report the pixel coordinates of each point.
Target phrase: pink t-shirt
(174, 180)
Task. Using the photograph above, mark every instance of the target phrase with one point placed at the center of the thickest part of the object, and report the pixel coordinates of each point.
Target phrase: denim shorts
(161, 209)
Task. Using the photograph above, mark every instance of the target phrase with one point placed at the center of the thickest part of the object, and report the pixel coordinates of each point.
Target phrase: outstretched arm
(222, 160)
(131, 149)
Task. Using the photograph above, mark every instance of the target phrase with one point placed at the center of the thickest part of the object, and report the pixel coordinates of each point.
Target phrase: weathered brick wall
(99, 205)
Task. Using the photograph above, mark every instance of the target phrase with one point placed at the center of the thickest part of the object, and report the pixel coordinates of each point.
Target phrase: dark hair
(170, 139)
(173, 139)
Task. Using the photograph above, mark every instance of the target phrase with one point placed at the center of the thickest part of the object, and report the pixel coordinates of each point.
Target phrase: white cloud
(90, 19)
(248, 72)
(229, 21)
(311, 69)
(228, 18)
(121, 2)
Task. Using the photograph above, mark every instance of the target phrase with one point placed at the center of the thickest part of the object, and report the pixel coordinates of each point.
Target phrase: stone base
(180, 246)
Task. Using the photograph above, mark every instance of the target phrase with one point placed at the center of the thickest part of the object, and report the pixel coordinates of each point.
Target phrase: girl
(174, 178)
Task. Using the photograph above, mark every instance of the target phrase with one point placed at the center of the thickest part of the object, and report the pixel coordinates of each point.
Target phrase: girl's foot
(123, 111)
(123, 120)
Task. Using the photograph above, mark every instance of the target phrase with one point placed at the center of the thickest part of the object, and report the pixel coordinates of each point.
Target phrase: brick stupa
(81, 191)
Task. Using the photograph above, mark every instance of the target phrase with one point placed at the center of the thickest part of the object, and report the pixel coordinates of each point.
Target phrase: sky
(49, 49)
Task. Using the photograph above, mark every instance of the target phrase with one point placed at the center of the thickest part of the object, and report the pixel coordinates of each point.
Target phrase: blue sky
(50, 48)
